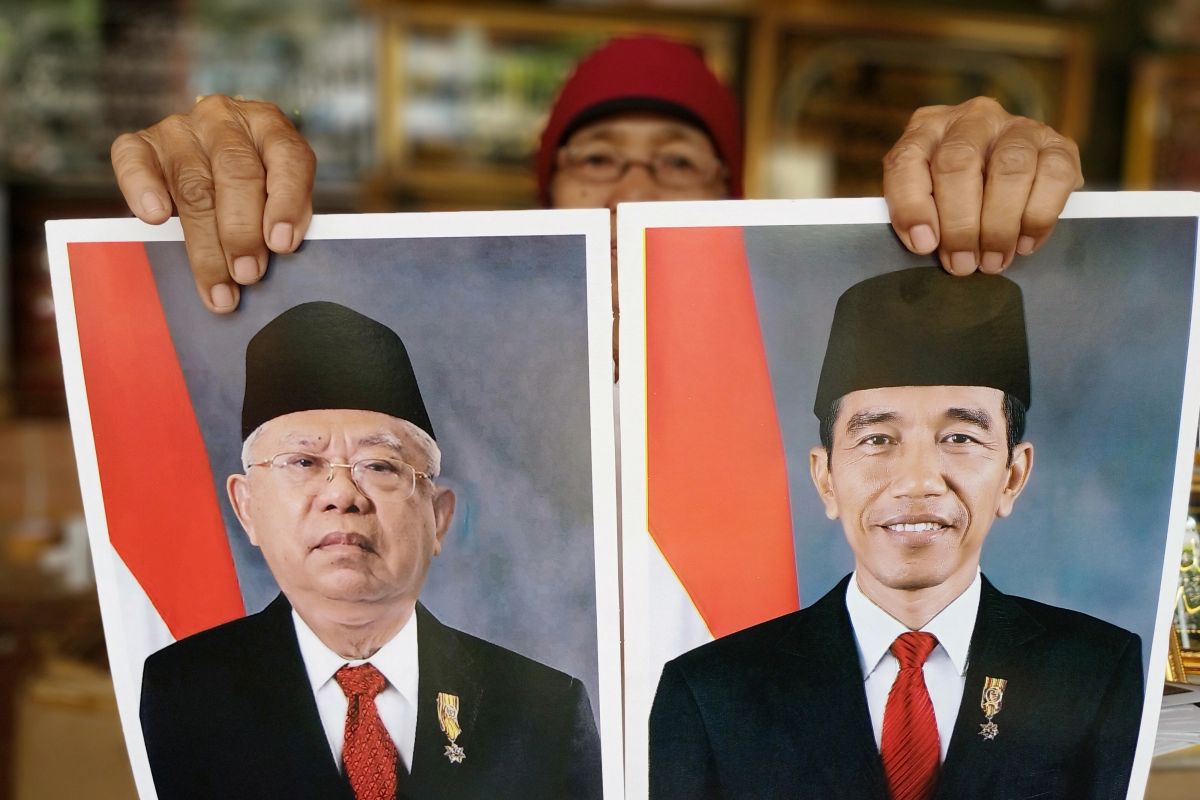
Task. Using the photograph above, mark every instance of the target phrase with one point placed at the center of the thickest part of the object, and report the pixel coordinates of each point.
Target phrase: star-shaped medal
(989, 730)
(455, 753)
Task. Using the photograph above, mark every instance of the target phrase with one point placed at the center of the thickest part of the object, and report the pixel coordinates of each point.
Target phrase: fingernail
(222, 296)
(962, 262)
(151, 204)
(245, 269)
(1025, 245)
(281, 237)
(992, 262)
(922, 238)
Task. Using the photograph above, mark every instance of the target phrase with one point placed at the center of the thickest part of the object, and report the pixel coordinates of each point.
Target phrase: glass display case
(834, 85)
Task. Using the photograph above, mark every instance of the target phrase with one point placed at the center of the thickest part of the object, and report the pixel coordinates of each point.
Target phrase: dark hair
(1014, 423)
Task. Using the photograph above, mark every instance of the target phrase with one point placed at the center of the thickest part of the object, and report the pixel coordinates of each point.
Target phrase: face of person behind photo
(640, 137)
(329, 539)
(917, 476)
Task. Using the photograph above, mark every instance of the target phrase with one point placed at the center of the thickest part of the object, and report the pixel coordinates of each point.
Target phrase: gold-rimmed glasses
(374, 477)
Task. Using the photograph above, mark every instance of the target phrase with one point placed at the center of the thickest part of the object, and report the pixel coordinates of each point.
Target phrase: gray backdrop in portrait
(1108, 324)
(497, 331)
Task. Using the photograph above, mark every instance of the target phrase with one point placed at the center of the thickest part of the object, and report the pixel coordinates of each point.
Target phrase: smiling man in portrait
(346, 686)
(914, 678)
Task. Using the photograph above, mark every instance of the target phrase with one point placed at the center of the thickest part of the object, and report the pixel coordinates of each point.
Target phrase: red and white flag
(708, 527)
(175, 570)
(717, 491)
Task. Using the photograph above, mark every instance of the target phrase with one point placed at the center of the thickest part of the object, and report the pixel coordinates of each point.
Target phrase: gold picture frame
(1176, 669)
(1185, 627)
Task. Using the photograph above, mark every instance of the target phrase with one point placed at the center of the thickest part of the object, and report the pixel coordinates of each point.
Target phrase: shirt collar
(397, 659)
(875, 629)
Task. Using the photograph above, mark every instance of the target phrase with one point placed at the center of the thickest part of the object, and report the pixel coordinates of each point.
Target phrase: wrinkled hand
(239, 175)
(977, 184)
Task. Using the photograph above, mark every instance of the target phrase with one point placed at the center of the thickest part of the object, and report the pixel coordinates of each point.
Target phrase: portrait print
(737, 510)
(484, 336)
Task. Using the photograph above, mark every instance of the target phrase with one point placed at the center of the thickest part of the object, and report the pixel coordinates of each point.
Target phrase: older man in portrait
(914, 678)
(346, 686)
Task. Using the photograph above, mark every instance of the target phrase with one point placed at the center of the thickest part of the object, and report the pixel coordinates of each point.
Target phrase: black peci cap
(922, 327)
(324, 355)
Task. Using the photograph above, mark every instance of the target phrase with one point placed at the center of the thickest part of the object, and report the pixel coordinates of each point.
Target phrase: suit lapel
(1002, 627)
(293, 736)
(445, 667)
(823, 693)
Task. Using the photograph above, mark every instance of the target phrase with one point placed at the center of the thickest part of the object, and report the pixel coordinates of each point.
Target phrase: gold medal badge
(991, 702)
(447, 708)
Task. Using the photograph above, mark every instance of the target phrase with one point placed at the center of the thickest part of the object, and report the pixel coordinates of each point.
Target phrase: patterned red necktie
(909, 746)
(368, 752)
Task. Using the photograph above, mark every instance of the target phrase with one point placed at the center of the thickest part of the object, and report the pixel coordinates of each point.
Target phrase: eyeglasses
(374, 477)
(672, 168)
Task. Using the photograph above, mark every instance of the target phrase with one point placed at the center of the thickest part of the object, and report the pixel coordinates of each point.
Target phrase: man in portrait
(914, 677)
(346, 686)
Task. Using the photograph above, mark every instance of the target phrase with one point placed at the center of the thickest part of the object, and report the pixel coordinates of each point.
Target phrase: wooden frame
(735, 35)
(1154, 108)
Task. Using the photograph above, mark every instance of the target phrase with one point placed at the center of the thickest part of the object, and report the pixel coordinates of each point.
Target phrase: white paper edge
(58, 234)
(635, 536)
(1185, 455)
(593, 224)
(632, 221)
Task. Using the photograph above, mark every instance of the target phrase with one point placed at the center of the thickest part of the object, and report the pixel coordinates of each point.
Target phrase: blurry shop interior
(437, 105)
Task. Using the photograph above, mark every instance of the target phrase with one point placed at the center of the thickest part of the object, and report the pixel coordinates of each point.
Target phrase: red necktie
(368, 752)
(909, 746)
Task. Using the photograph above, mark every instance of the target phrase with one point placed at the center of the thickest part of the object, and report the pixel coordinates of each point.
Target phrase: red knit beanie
(644, 73)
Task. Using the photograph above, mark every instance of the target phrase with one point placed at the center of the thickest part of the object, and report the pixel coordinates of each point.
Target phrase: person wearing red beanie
(641, 118)
(651, 76)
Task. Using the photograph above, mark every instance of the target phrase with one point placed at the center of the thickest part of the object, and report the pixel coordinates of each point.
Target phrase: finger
(210, 270)
(239, 190)
(207, 260)
(140, 178)
(908, 185)
(957, 169)
(290, 169)
(1058, 174)
(1010, 173)
(190, 182)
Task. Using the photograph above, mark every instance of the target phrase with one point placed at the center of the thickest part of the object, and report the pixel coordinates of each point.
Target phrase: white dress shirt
(945, 670)
(397, 703)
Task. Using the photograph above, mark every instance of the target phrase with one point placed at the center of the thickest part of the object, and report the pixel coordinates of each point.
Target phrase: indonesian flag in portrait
(717, 491)
(173, 568)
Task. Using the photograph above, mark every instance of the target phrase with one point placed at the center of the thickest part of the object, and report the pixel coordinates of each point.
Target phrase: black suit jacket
(229, 713)
(779, 710)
